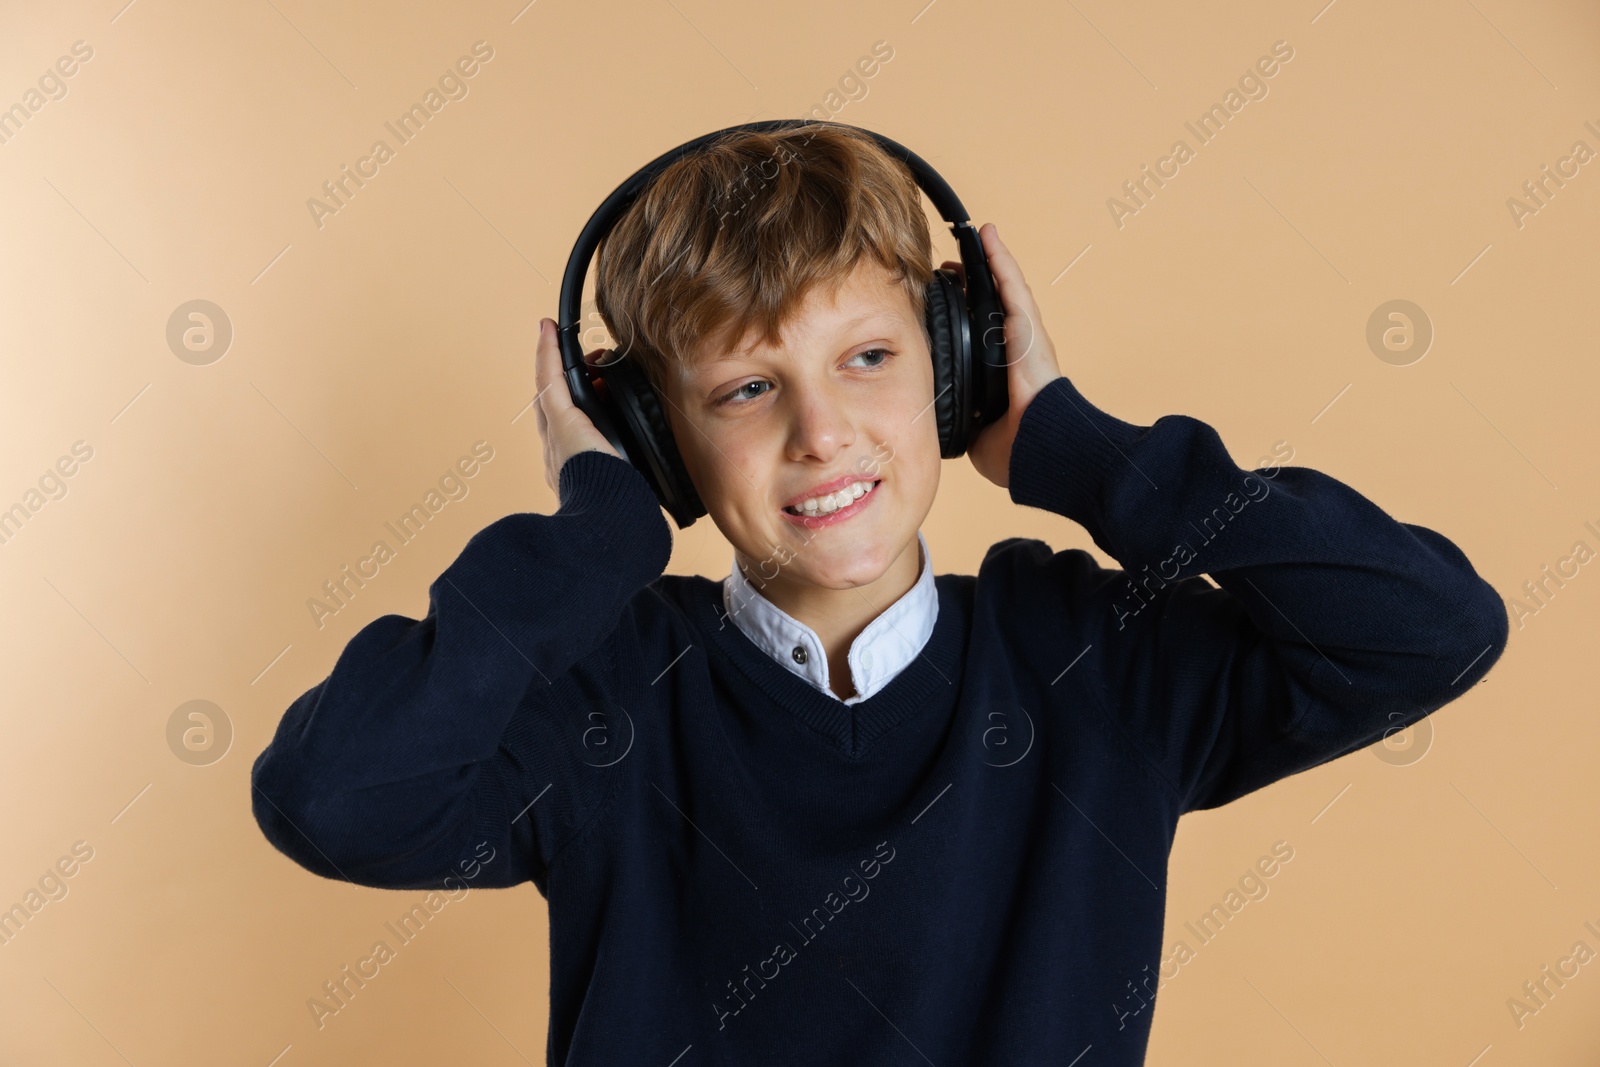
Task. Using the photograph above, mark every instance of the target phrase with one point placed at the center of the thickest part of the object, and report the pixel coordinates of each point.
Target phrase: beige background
(371, 352)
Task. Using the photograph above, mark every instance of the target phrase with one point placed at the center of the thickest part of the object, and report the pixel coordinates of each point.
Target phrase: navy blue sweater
(968, 867)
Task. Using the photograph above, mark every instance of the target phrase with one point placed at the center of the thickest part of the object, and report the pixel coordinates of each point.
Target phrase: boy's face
(849, 394)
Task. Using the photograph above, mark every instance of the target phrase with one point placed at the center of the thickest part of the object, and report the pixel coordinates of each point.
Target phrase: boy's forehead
(868, 296)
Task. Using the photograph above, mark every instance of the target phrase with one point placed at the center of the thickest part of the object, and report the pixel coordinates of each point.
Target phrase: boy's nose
(821, 424)
(820, 432)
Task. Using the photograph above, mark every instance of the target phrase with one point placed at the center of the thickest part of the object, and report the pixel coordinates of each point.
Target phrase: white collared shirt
(888, 644)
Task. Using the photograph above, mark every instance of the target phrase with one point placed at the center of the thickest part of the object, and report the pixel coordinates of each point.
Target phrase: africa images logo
(453, 84)
(855, 889)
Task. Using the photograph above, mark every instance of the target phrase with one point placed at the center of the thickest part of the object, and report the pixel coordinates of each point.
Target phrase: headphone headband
(612, 208)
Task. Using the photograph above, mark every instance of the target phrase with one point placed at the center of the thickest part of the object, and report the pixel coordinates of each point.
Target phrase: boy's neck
(838, 616)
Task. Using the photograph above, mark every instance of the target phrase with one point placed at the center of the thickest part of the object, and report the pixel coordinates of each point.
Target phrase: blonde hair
(733, 236)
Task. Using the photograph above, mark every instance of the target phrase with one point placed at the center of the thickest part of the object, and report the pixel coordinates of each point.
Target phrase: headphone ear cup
(636, 407)
(950, 345)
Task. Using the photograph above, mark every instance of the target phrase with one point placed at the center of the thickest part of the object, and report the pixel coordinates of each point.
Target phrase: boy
(772, 817)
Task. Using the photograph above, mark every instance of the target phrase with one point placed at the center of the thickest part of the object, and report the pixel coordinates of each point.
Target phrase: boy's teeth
(827, 505)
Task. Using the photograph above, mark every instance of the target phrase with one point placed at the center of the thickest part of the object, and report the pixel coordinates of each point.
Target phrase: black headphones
(969, 357)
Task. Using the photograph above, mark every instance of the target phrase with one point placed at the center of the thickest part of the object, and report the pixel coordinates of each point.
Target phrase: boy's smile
(832, 501)
(819, 459)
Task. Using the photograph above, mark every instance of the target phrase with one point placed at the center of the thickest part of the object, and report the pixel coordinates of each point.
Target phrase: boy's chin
(836, 583)
(847, 564)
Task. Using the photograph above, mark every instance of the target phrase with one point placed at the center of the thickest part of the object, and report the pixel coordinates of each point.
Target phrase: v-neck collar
(928, 683)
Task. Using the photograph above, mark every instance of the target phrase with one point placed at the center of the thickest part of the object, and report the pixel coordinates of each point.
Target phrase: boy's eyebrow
(885, 314)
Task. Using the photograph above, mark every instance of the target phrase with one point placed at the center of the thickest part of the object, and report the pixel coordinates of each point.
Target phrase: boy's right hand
(563, 427)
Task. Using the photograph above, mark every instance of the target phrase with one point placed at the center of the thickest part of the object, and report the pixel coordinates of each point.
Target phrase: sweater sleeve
(1330, 625)
(450, 745)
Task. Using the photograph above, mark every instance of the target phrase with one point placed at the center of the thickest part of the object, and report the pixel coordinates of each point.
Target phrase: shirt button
(799, 654)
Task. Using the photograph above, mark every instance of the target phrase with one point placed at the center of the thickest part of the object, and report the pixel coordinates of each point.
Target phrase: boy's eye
(882, 352)
(739, 395)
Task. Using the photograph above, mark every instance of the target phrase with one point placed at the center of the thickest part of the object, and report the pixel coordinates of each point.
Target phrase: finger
(541, 356)
(553, 394)
(1024, 327)
(1014, 291)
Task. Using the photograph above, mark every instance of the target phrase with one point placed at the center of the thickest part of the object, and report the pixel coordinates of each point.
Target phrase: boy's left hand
(1030, 358)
